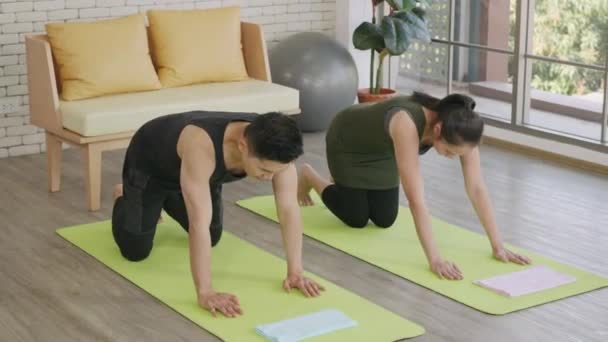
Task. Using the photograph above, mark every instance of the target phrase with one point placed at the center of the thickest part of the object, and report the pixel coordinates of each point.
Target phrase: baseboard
(546, 155)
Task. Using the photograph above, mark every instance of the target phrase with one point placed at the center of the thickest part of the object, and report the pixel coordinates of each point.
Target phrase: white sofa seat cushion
(127, 112)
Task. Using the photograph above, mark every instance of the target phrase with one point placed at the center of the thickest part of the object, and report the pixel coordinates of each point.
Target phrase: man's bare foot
(304, 186)
(117, 192)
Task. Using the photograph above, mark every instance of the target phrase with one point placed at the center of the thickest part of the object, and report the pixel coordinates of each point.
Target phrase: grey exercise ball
(322, 70)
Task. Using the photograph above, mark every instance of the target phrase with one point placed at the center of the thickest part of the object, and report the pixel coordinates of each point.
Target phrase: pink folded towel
(524, 282)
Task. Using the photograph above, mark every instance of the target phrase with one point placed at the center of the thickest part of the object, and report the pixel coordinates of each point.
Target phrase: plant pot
(385, 93)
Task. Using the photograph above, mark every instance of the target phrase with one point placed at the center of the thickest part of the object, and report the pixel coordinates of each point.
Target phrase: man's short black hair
(274, 136)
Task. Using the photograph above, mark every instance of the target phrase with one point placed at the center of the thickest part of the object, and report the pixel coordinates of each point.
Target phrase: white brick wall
(110, 3)
(123, 10)
(280, 18)
(79, 3)
(21, 6)
(8, 80)
(86, 13)
(41, 6)
(31, 16)
(17, 27)
(7, 18)
(23, 149)
(62, 14)
(9, 38)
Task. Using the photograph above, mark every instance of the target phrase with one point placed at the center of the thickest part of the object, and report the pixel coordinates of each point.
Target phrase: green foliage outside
(570, 30)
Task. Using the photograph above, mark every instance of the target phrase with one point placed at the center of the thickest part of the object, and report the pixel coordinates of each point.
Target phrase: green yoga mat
(397, 250)
(243, 269)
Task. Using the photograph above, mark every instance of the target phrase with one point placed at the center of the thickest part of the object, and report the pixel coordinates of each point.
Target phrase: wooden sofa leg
(53, 162)
(91, 157)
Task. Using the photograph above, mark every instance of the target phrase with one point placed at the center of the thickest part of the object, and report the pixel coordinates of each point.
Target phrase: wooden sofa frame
(45, 113)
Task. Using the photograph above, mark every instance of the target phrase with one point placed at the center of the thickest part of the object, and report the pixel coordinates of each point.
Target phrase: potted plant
(390, 37)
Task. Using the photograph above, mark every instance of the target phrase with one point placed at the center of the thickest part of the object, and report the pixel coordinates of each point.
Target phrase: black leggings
(355, 207)
(137, 211)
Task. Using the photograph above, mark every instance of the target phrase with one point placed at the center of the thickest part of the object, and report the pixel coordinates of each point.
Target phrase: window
(534, 66)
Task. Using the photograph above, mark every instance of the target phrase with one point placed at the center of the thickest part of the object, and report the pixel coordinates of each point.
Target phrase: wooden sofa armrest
(42, 84)
(254, 51)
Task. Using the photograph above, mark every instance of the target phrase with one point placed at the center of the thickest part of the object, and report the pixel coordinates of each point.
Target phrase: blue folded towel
(311, 325)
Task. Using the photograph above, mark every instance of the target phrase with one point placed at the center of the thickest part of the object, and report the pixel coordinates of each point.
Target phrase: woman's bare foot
(304, 186)
(117, 192)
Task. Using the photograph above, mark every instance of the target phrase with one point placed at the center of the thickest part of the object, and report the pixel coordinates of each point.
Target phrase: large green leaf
(394, 4)
(420, 12)
(408, 5)
(425, 3)
(418, 25)
(368, 36)
(396, 35)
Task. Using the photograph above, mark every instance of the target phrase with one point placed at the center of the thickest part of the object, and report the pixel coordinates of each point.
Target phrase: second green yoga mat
(398, 251)
(238, 267)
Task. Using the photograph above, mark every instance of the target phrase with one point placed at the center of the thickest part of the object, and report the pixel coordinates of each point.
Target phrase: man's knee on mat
(133, 246)
(136, 253)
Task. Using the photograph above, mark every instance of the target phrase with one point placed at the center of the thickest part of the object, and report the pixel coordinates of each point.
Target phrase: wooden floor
(52, 291)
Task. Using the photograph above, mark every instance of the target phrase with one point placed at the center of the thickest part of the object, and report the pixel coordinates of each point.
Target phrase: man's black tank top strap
(216, 128)
(153, 149)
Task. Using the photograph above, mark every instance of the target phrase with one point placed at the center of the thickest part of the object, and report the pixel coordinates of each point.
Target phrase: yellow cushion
(197, 46)
(102, 57)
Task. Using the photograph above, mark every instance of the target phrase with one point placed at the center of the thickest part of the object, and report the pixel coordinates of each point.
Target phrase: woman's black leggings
(355, 207)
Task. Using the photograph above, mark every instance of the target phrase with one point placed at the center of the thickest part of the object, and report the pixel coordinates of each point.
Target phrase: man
(179, 162)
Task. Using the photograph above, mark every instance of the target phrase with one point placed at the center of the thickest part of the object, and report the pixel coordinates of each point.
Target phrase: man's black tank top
(153, 148)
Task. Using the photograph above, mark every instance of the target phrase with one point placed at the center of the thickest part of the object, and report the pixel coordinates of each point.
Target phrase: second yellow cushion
(197, 46)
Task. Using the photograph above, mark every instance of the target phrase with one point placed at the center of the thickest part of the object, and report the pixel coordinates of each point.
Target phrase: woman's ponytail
(460, 123)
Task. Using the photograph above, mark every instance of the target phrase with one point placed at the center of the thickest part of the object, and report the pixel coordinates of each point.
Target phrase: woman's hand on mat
(305, 200)
(304, 186)
(446, 269)
(225, 303)
(309, 287)
(506, 255)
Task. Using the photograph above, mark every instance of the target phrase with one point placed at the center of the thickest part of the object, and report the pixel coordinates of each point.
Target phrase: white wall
(279, 18)
(349, 15)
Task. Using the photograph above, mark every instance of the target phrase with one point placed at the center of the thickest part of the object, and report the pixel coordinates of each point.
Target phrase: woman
(371, 148)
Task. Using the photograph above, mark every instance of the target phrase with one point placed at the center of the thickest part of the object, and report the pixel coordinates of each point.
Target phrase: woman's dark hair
(274, 136)
(460, 123)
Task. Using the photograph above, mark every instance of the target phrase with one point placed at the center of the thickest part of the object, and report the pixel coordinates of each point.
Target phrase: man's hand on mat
(225, 303)
(506, 255)
(446, 269)
(309, 287)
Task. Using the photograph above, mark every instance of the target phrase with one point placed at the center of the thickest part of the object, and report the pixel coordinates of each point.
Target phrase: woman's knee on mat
(384, 222)
(384, 218)
(216, 234)
(355, 221)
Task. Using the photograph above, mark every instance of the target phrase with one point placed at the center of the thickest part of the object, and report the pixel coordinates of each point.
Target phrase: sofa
(103, 123)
